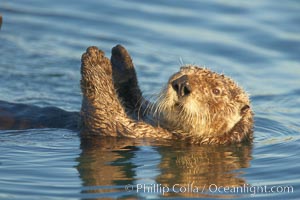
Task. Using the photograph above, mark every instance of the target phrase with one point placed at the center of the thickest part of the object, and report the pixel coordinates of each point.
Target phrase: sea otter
(196, 105)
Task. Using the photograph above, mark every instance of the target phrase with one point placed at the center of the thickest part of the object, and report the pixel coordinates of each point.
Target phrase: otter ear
(244, 109)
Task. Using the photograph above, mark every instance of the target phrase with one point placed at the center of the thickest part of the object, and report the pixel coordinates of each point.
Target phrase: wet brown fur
(113, 104)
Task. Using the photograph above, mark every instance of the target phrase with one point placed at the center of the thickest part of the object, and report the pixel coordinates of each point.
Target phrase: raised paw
(100, 103)
(123, 69)
(94, 60)
(96, 73)
(125, 79)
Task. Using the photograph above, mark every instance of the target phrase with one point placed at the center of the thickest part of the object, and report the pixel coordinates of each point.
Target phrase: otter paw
(123, 69)
(125, 79)
(96, 74)
(94, 60)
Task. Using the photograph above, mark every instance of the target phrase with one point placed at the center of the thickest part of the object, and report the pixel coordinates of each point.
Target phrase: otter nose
(181, 86)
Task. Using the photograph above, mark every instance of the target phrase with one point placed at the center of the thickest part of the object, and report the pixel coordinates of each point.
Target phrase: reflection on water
(114, 161)
(204, 165)
(106, 160)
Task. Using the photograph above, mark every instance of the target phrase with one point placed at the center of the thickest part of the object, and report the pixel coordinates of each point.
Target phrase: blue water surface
(256, 42)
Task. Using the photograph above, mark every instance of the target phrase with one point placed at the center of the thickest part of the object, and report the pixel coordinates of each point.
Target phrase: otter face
(198, 101)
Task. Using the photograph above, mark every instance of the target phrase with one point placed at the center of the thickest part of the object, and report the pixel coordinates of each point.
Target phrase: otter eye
(216, 91)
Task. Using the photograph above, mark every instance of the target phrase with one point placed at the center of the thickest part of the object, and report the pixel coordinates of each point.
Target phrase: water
(257, 43)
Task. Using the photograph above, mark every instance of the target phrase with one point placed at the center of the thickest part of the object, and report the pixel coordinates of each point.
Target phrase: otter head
(197, 101)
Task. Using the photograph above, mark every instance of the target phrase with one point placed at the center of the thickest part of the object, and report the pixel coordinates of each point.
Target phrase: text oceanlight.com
(212, 188)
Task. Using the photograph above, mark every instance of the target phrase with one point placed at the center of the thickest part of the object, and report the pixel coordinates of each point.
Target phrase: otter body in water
(196, 105)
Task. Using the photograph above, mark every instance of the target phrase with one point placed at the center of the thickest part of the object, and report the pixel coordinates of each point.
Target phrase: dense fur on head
(197, 104)
(213, 106)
